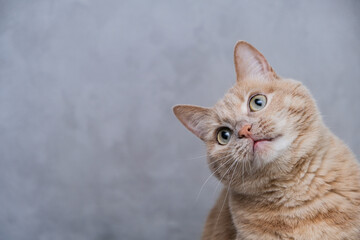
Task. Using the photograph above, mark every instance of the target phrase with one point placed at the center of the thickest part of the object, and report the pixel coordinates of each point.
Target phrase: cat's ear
(194, 118)
(250, 63)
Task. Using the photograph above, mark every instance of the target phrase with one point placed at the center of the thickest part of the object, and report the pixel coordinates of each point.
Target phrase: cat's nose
(245, 131)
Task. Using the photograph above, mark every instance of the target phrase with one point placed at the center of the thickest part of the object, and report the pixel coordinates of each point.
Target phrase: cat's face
(258, 123)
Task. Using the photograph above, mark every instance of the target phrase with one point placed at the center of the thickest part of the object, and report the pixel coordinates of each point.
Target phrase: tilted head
(262, 125)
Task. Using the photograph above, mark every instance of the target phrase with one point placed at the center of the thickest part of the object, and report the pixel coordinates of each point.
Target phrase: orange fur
(301, 183)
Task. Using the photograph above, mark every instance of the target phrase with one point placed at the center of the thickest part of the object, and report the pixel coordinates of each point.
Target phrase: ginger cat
(285, 175)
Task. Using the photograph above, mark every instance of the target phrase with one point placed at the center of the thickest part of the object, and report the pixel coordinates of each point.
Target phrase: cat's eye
(257, 102)
(223, 136)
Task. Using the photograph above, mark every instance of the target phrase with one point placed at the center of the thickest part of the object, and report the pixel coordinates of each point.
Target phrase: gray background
(89, 147)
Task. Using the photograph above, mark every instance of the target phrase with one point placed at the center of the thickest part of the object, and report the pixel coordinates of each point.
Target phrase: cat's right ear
(250, 63)
(193, 118)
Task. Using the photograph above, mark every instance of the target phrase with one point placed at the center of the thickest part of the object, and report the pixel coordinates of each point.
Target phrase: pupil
(258, 102)
(225, 135)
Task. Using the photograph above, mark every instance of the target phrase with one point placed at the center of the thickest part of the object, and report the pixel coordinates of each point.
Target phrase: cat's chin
(267, 150)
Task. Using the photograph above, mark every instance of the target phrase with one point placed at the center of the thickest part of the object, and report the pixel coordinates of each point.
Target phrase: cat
(285, 175)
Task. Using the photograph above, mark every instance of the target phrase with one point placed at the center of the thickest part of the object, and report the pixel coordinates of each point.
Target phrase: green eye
(257, 102)
(223, 136)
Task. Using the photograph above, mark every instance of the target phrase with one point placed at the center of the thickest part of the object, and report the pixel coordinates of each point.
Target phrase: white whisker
(227, 192)
(225, 175)
(197, 197)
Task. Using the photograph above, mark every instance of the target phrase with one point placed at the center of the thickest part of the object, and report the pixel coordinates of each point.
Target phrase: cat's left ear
(250, 63)
(194, 118)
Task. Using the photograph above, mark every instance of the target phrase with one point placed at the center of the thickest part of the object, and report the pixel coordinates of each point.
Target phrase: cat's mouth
(259, 142)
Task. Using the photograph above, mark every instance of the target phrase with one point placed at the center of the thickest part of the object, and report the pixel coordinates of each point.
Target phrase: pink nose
(245, 131)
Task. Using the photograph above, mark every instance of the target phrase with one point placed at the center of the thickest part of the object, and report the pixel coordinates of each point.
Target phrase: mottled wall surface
(89, 147)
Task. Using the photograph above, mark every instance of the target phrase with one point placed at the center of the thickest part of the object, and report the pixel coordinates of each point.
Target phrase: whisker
(225, 174)
(197, 197)
(242, 172)
(227, 192)
(217, 160)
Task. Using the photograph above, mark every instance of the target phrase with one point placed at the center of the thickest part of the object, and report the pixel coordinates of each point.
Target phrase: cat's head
(261, 122)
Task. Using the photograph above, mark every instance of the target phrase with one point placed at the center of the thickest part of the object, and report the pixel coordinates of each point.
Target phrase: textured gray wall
(89, 147)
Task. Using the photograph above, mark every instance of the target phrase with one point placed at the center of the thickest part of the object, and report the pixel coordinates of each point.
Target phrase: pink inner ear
(249, 62)
(193, 118)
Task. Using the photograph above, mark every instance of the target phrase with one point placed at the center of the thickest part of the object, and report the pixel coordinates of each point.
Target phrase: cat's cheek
(283, 143)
